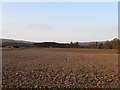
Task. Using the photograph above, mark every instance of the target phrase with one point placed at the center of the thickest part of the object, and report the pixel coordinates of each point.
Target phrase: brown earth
(60, 68)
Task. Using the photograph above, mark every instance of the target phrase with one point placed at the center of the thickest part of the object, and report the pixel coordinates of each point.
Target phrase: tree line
(113, 44)
(55, 45)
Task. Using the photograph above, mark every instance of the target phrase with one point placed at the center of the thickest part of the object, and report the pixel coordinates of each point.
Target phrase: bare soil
(60, 68)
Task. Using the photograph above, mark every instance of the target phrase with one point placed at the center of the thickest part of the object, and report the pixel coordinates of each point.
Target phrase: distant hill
(29, 42)
(113, 44)
(17, 41)
(11, 42)
(86, 43)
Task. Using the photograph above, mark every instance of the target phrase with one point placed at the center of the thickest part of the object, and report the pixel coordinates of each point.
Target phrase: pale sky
(60, 21)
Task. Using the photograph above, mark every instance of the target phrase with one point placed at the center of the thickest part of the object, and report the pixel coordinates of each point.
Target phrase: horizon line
(58, 41)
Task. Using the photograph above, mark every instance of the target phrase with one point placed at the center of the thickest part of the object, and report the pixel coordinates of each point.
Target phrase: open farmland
(59, 68)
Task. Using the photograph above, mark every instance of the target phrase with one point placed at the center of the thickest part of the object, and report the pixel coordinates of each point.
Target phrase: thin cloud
(39, 26)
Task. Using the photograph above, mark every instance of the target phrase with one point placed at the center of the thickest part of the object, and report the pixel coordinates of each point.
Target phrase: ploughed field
(59, 68)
